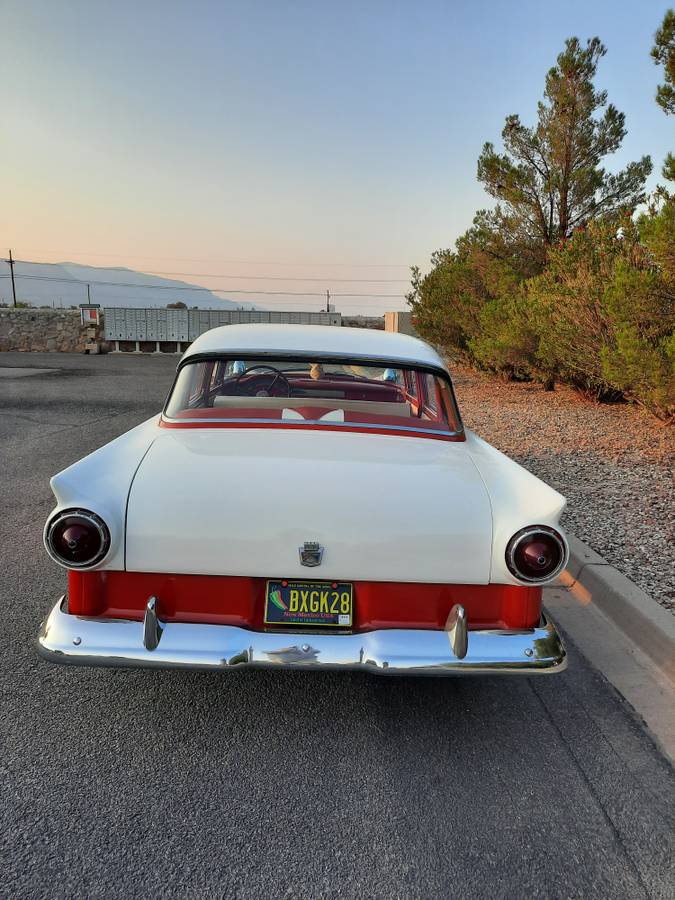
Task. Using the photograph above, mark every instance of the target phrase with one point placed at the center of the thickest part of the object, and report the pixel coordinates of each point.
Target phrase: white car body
(235, 502)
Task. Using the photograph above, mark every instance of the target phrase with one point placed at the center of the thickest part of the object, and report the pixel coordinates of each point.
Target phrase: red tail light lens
(77, 538)
(536, 554)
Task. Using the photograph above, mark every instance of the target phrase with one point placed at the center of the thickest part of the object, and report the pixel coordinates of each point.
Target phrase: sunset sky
(291, 139)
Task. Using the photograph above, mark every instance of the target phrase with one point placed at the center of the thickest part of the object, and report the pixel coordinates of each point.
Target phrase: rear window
(314, 392)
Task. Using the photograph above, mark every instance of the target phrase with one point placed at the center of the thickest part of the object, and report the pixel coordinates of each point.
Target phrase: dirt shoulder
(614, 463)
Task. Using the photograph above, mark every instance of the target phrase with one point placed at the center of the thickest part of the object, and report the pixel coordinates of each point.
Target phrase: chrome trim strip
(296, 423)
(78, 640)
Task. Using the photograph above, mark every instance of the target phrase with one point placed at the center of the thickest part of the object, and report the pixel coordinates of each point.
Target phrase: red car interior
(424, 403)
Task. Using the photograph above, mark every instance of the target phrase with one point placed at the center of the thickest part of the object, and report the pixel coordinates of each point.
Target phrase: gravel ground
(614, 463)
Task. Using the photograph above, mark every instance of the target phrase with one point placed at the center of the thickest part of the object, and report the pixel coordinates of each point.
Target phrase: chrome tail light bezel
(528, 532)
(91, 519)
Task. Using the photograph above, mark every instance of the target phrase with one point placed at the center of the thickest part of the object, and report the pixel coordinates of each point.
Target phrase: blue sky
(312, 140)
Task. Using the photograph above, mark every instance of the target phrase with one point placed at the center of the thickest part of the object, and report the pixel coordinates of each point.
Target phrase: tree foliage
(657, 232)
(663, 53)
(600, 316)
(550, 178)
(489, 261)
(446, 303)
(560, 282)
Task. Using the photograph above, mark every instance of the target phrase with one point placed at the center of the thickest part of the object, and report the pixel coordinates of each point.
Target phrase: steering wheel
(252, 389)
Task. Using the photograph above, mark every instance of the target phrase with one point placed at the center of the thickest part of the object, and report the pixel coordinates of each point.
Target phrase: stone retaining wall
(374, 322)
(42, 330)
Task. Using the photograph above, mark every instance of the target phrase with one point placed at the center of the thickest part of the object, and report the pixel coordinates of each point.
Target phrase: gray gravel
(121, 783)
(614, 463)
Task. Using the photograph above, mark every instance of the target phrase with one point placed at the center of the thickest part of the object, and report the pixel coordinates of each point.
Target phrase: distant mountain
(65, 284)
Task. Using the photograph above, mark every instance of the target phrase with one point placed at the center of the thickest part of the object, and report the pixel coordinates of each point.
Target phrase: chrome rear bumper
(77, 640)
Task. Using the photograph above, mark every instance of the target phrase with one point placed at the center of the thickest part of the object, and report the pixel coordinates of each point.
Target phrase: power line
(289, 307)
(370, 307)
(190, 288)
(286, 278)
(252, 262)
(314, 301)
(245, 277)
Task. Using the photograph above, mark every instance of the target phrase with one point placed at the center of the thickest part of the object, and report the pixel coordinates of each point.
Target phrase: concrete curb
(651, 627)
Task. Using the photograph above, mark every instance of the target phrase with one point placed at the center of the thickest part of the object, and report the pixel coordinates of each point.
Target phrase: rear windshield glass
(321, 393)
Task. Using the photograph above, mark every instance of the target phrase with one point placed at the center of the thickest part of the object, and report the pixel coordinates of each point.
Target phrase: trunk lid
(222, 501)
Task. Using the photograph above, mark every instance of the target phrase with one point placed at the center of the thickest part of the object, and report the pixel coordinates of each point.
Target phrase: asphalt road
(253, 784)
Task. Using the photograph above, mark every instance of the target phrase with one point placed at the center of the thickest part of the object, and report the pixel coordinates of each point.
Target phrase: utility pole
(327, 301)
(11, 271)
(88, 295)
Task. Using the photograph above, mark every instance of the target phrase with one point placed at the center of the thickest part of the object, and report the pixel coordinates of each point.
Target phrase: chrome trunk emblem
(311, 554)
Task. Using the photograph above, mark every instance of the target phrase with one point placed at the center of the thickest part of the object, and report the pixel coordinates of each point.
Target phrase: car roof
(322, 340)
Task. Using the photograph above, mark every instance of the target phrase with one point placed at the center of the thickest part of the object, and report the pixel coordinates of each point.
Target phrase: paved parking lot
(255, 784)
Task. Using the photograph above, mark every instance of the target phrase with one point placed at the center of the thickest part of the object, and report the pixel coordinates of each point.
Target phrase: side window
(448, 405)
(430, 396)
(217, 376)
(411, 383)
(199, 377)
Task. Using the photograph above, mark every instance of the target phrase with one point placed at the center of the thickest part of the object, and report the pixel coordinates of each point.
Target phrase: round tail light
(77, 538)
(536, 553)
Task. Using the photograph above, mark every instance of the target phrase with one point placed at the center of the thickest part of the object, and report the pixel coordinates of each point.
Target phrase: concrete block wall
(401, 322)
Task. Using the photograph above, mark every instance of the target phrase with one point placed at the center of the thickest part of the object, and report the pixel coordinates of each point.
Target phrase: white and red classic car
(307, 498)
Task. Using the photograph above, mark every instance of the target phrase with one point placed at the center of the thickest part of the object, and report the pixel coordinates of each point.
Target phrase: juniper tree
(550, 179)
(663, 54)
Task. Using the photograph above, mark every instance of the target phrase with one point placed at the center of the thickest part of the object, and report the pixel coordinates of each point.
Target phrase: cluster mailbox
(183, 326)
(146, 325)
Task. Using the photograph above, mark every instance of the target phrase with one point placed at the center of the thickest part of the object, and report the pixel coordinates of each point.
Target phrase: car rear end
(308, 510)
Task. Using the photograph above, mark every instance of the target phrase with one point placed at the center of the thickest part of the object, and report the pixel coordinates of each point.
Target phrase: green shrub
(507, 338)
(639, 358)
(568, 312)
(599, 317)
(446, 303)
(656, 229)
(489, 264)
